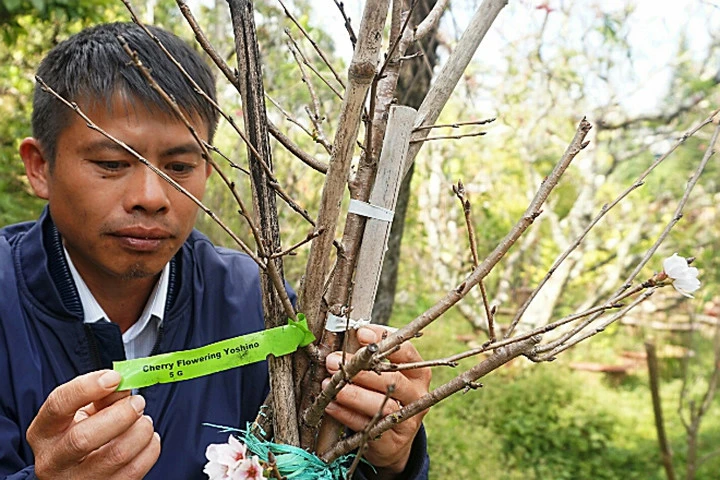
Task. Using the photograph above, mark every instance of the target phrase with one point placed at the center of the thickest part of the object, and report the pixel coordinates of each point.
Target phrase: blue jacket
(214, 293)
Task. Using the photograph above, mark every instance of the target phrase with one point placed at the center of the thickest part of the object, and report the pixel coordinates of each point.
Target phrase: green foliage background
(550, 421)
(28, 30)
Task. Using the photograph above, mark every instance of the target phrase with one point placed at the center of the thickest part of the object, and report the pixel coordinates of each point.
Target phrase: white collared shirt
(140, 338)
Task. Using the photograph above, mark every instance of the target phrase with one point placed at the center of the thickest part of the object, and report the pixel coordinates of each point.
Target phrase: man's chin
(139, 271)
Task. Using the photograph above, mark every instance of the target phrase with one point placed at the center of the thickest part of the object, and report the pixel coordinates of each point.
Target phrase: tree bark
(657, 408)
(255, 117)
(361, 73)
(413, 85)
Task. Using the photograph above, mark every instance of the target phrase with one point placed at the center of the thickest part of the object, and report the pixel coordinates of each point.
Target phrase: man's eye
(180, 168)
(111, 165)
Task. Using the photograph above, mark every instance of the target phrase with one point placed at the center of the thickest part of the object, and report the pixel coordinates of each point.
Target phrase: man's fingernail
(325, 382)
(366, 336)
(81, 415)
(111, 378)
(156, 436)
(149, 418)
(333, 361)
(331, 406)
(138, 403)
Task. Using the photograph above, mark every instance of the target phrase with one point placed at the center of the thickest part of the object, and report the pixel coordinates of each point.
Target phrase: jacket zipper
(156, 347)
(92, 343)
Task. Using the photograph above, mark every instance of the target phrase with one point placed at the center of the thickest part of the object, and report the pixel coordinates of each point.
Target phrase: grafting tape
(337, 324)
(370, 211)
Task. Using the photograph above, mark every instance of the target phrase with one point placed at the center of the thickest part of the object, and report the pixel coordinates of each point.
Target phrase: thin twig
(395, 46)
(449, 137)
(293, 148)
(232, 164)
(299, 57)
(459, 190)
(313, 43)
(230, 74)
(291, 119)
(412, 56)
(318, 133)
(302, 242)
(453, 359)
(348, 23)
(467, 379)
(311, 66)
(639, 181)
(600, 328)
(455, 124)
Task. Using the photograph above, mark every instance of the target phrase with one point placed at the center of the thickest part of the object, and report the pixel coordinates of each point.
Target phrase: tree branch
(467, 379)
(451, 73)
(361, 73)
(654, 377)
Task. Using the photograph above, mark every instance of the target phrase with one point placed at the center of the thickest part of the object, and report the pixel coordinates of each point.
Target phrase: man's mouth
(141, 239)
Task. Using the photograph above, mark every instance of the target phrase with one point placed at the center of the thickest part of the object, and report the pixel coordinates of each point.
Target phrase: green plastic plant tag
(216, 357)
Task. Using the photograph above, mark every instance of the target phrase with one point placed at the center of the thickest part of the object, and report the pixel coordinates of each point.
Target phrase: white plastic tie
(337, 324)
(370, 211)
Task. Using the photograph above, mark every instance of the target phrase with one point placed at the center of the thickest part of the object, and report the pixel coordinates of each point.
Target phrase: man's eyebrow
(101, 145)
(190, 147)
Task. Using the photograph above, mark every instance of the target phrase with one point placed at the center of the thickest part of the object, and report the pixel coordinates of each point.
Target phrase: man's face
(118, 218)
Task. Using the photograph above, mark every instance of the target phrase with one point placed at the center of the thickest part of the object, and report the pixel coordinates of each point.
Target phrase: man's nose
(147, 192)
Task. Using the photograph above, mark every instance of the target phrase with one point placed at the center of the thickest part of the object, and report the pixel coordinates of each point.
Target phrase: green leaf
(39, 5)
(12, 5)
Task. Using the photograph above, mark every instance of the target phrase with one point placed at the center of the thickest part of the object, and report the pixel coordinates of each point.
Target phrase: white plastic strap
(371, 211)
(337, 324)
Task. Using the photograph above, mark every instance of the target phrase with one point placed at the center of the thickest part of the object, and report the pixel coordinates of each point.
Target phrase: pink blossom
(224, 459)
(249, 469)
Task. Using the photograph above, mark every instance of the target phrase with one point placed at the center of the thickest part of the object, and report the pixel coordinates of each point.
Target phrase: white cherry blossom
(684, 277)
(225, 459)
(249, 469)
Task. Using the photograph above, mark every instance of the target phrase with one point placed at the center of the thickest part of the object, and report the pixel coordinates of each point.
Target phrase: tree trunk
(252, 92)
(413, 85)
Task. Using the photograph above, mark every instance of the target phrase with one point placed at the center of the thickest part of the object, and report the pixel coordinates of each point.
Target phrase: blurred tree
(28, 30)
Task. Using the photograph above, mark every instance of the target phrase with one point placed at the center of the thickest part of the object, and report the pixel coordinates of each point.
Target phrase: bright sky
(653, 31)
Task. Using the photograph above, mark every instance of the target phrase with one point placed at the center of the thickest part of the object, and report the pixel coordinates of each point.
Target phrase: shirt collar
(93, 312)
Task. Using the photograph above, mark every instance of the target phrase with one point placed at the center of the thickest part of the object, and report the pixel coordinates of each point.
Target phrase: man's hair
(91, 67)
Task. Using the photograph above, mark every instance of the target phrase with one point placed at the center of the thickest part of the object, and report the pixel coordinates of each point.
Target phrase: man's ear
(37, 167)
(208, 169)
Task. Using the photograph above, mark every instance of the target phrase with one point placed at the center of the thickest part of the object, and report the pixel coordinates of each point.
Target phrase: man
(113, 269)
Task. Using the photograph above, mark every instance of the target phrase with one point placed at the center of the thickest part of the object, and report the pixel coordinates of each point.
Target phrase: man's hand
(358, 402)
(87, 430)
